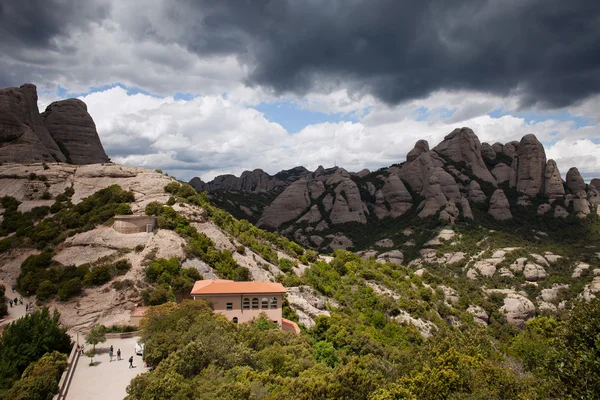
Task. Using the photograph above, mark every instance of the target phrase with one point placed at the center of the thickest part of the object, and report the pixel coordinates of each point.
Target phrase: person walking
(118, 354)
(131, 362)
(112, 349)
(10, 301)
(82, 349)
(27, 309)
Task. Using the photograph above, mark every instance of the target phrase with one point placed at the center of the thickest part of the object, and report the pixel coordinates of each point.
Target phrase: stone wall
(134, 223)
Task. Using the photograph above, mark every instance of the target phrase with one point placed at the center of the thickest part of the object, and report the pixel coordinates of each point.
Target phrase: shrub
(32, 176)
(121, 267)
(45, 166)
(46, 195)
(9, 203)
(286, 265)
(158, 295)
(69, 289)
(153, 208)
(172, 187)
(98, 275)
(124, 284)
(171, 201)
(45, 290)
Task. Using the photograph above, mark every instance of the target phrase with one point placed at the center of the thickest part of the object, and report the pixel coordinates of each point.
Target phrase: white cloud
(212, 135)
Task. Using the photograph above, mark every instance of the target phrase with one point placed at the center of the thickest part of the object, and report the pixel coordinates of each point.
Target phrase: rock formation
(462, 145)
(499, 206)
(553, 183)
(531, 166)
(287, 206)
(575, 182)
(420, 147)
(64, 132)
(74, 131)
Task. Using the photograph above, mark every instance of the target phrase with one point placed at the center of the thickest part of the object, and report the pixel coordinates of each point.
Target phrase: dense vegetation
(199, 355)
(67, 219)
(170, 281)
(26, 341)
(44, 277)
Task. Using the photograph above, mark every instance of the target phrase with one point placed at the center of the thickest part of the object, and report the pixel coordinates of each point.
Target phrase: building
(244, 301)
(134, 223)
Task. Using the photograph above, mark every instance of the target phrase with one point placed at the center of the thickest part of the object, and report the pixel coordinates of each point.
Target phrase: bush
(158, 295)
(9, 203)
(98, 275)
(40, 379)
(46, 195)
(45, 290)
(153, 208)
(69, 289)
(124, 284)
(121, 267)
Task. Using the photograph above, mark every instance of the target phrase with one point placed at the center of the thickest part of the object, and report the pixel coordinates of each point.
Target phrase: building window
(264, 303)
(255, 303)
(229, 306)
(235, 320)
(246, 304)
(274, 302)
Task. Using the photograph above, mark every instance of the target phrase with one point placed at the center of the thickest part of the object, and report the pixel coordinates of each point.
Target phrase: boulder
(316, 189)
(420, 147)
(462, 145)
(534, 272)
(499, 206)
(416, 173)
(289, 205)
(480, 316)
(448, 185)
(328, 202)
(518, 309)
(544, 209)
(575, 182)
(531, 166)
(339, 241)
(579, 268)
(560, 212)
(393, 256)
(487, 152)
(317, 240)
(386, 243)
(466, 208)
(73, 129)
(475, 192)
(502, 173)
(581, 207)
(553, 183)
(363, 172)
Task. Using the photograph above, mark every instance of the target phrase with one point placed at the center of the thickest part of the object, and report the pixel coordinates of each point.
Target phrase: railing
(67, 375)
(122, 335)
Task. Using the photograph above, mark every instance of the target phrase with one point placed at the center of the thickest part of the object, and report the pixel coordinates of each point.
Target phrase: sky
(205, 87)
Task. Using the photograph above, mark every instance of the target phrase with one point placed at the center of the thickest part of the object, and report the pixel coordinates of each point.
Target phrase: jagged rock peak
(575, 182)
(553, 183)
(531, 166)
(422, 146)
(69, 134)
(462, 145)
(74, 129)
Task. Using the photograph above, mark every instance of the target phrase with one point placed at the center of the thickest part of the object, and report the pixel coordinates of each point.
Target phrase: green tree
(40, 379)
(96, 335)
(27, 340)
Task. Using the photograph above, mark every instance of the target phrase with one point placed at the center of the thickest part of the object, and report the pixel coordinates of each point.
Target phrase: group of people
(110, 354)
(16, 301)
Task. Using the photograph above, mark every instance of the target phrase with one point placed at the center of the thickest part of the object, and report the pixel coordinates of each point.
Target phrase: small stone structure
(134, 223)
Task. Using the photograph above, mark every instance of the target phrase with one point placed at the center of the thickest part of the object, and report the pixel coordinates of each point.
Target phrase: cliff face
(64, 132)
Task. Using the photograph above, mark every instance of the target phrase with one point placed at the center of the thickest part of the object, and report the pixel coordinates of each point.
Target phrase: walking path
(16, 311)
(105, 380)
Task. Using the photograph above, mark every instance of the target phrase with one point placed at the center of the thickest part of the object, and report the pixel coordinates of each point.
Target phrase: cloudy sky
(207, 87)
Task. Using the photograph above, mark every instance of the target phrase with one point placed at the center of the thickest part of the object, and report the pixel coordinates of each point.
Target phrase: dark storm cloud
(34, 23)
(547, 51)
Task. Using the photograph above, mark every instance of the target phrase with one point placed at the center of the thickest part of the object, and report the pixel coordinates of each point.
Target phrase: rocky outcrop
(531, 166)
(23, 136)
(575, 182)
(434, 198)
(74, 131)
(462, 145)
(393, 256)
(475, 192)
(553, 183)
(534, 272)
(518, 309)
(420, 147)
(499, 206)
(416, 173)
(480, 316)
(287, 206)
(397, 197)
(581, 206)
(348, 206)
(503, 173)
(487, 152)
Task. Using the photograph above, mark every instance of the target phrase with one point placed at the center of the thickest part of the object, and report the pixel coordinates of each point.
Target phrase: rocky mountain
(64, 132)
(246, 197)
(458, 180)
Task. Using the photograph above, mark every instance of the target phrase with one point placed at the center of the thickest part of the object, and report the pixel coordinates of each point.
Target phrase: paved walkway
(16, 311)
(105, 380)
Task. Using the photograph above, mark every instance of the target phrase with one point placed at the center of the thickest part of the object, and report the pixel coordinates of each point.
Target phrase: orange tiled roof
(221, 286)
